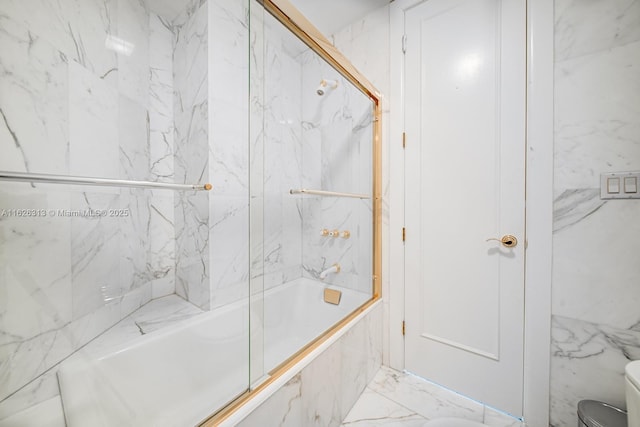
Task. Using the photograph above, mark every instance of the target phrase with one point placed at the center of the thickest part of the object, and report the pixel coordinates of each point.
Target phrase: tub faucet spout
(335, 268)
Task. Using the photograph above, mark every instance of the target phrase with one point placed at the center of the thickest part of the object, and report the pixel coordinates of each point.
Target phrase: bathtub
(180, 375)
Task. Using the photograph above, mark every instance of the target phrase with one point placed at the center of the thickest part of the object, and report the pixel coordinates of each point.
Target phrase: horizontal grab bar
(328, 193)
(105, 182)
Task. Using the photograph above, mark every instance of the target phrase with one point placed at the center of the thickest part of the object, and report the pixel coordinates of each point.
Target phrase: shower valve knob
(334, 233)
(346, 234)
(324, 232)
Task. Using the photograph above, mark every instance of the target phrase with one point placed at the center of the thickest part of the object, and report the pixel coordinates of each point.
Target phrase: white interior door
(465, 155)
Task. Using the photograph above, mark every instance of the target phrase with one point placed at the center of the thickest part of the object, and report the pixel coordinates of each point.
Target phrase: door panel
(465, 124)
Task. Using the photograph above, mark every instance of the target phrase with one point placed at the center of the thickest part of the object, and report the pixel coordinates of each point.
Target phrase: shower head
(326, 85)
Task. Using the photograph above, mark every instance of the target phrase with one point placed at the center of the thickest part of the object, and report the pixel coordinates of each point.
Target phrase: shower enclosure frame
(301, 27)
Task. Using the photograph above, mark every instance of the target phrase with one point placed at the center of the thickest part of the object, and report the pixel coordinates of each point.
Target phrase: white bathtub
(180, 375)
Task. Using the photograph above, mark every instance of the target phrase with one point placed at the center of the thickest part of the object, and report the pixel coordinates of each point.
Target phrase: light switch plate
(619, 185)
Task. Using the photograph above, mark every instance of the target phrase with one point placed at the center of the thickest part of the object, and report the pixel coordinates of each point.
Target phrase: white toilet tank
(632, 392)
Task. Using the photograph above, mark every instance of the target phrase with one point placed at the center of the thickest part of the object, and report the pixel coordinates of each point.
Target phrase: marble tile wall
(71, 106)
(282, 158)
(211, 106)
(191, 141)
(336, 156)
(366, 42)
(302, 140)
(229, 150)
(274, 130)
(595, 321)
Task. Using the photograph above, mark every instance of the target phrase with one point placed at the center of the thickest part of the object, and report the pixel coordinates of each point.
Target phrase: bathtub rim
(249, 401)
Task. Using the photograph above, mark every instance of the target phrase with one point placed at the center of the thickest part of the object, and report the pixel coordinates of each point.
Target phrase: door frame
(538, 211)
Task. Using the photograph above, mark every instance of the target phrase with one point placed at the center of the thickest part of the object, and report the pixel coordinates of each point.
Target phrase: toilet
(453, 422)
(592, 413)
(632, 392)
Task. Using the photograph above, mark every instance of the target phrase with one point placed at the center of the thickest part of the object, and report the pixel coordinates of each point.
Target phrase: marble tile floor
(397, 399)
(155, 315)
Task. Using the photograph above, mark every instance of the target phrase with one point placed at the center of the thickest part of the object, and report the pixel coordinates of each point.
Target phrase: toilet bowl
(632, 393)
(453, 422)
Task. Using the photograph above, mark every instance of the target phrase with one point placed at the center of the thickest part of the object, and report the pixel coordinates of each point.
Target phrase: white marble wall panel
(34, 78)
(366, 43)
(133, 66)
(135, 162)
(586, 27)
(325, 390)
(191, 145)
(162, 243)
(588, 362)
(228, 152)
(190, 65)
(134, 140)
(230, 258)
(93, 125)
(95, 249)
(596, 278)
(161, 99)
(77, 29)
(337, 156)
(322, 252)
(192, 247)
(601, 135)
(257, 138)
(135, 240)
(72, 106)
(161, 150)
(321, 389)
(229, 93)
(275, 153)
(35, 268)
(595, 274)
(282, 255)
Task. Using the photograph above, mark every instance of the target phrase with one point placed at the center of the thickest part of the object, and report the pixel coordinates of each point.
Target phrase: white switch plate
(625, 188)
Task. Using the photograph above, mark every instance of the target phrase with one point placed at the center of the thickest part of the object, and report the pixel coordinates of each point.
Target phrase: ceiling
(328, 15)
(333, 15)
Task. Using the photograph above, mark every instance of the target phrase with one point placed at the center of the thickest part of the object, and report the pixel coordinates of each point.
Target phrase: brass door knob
(508, 240)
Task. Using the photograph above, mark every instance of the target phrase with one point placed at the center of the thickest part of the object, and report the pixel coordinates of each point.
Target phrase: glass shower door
(312, 134)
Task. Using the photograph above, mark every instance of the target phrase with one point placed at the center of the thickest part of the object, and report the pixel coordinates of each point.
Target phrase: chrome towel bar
(328, 193)
(104, 182)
